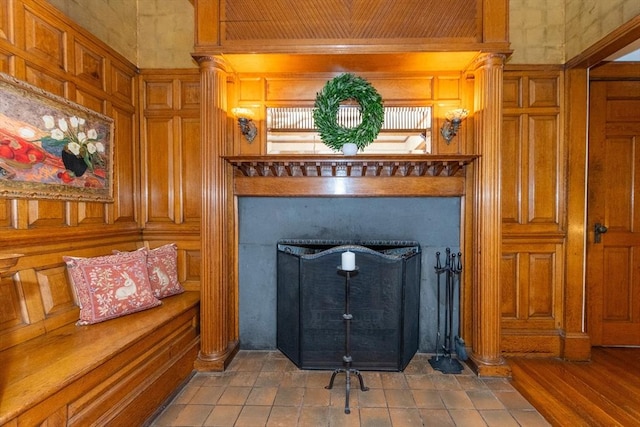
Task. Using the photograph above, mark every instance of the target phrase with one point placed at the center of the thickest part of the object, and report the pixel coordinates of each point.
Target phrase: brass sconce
(453, 120)
(245, 122)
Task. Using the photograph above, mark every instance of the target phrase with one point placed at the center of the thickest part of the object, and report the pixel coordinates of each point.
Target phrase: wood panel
(5, 21)
(53, 53)
(172, 165)
(43, 39)
(89, 65)
(126, 161)
(363, 20)
(533, 200)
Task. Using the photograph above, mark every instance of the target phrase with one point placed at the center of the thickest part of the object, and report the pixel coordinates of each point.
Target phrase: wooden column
(216, 309)
(485, 356)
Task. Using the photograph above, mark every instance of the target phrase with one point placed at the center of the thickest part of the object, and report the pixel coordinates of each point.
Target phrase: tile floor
(263, 388)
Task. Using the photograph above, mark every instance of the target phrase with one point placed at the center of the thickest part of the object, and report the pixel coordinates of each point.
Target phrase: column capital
(211, 62)
(488, 59)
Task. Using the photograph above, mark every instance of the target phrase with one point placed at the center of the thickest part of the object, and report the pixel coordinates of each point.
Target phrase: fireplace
(385, 299)
(432, 222)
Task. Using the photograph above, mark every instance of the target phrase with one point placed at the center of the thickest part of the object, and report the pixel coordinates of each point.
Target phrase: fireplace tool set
(442, 361)
(347, 316)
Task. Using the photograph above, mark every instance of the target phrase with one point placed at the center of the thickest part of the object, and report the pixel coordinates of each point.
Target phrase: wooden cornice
(350, 166)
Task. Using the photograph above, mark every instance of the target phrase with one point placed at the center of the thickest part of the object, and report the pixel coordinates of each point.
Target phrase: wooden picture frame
(52, 148)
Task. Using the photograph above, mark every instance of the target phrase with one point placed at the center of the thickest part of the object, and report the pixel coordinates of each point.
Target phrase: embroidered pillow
(162, 266)
(110, 286)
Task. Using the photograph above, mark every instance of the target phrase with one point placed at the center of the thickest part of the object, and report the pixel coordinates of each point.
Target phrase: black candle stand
(346, 359)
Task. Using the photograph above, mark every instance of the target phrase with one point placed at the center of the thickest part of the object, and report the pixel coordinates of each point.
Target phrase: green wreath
(325, 112)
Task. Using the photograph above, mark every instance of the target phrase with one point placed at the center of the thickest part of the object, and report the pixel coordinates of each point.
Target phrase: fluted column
(216, 348)
(485, 355)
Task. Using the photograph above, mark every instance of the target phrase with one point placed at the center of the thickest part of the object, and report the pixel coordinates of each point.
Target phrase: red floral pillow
(162, 266)
(110, 286)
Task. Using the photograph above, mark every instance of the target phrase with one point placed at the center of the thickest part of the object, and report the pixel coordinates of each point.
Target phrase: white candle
(348, 261)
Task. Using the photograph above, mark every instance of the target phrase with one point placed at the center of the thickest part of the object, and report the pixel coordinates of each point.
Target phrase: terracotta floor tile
(316, 416)
(337, 417)
(512, 400)
(243, 378)
(253, 416)
(269, 379)
(436, 418)
(193, 415)
(420, 382)
(467, 418)
(372, 379)
(394, 380)
(217, 380)
(289, 396)
(223, 416)
(484, 399)
(319, 379)
(399, 398)
(283, 416)
(499, 418)
(373, 398)
(405, 417)
(168, 416)
(262, 396)
(375, 417)
(417, 365)
(471, 382)
(276, 365)
(316, 397)
(337, 397)
(207, 396)
(264, 388)
(445, 382)
(234, 396)
(429, 399)
(498, 384)
(187, 393)
(529, 418)
(293, 379)
(456, 399)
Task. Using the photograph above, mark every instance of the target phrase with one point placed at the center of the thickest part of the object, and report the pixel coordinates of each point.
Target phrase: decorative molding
(352, 166)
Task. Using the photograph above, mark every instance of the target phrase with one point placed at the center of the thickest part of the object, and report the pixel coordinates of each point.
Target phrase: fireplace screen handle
(598, 230)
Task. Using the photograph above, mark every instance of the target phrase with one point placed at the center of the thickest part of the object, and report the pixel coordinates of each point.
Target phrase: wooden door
(613, 264)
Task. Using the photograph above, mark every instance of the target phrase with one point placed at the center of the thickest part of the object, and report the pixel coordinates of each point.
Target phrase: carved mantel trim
(362, 175)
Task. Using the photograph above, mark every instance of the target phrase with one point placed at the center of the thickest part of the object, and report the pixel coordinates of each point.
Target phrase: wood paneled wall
(156, 183)
(42, 47)
(533, 205)
(171, 160)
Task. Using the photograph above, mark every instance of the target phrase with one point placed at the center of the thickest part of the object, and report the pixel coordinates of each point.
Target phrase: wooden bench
(118, 372)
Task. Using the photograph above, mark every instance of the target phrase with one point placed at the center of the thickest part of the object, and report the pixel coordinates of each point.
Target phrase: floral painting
(51, 147)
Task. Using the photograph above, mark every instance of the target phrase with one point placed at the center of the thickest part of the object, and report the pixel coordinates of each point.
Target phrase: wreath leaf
(325, 114)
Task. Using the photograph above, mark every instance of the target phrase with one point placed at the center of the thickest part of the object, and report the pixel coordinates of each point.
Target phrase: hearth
(385, 303)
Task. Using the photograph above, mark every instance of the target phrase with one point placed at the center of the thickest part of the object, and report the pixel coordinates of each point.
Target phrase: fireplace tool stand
(452, 269)
(346, 359)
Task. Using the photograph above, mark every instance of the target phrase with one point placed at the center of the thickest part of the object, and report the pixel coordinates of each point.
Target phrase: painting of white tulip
(51, 147)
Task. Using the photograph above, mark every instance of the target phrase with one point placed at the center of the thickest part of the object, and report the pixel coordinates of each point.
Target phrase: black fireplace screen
(384, 302)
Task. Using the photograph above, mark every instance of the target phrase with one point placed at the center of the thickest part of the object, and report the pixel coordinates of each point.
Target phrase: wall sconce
(453, 120)
(245, 122)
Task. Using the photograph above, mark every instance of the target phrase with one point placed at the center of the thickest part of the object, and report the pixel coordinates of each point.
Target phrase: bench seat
(113, 373)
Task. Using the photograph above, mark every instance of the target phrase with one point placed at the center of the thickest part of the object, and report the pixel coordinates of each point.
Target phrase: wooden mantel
(337, 175)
